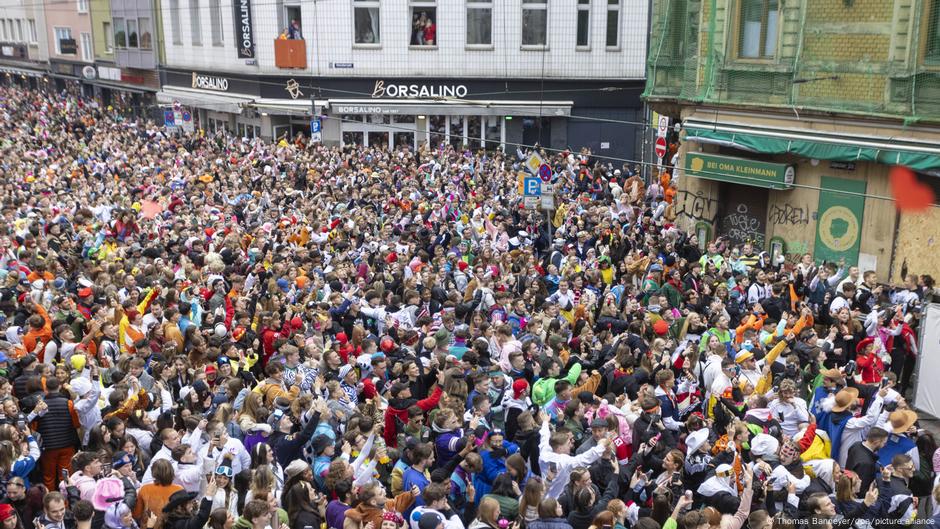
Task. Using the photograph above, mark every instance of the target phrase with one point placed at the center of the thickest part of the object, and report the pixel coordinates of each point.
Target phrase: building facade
(24, 50)
(68, 32)
(398, 72)
(791, 116)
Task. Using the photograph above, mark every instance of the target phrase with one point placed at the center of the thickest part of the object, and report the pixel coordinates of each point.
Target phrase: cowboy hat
(844, 398)
(902, 420)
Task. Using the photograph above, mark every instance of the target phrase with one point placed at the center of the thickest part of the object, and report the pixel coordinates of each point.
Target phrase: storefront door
(743, 216)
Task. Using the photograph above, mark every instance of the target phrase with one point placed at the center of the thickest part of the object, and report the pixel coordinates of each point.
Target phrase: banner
(244, 32)
(839, 221)
(927, 393)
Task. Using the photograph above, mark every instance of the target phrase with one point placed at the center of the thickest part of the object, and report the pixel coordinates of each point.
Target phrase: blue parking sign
(532, 187)
(314, 126)
(168, 119)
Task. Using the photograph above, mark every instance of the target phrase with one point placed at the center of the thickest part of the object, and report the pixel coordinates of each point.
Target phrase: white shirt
(563, 463)
(793, 412)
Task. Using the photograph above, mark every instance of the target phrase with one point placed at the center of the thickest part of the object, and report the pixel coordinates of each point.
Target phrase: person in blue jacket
(418, 473)
(493, 453)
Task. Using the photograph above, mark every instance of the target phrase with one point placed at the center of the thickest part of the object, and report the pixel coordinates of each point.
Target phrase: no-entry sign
(660, 147)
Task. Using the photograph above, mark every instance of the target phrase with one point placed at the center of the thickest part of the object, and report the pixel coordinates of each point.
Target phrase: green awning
(919, 157)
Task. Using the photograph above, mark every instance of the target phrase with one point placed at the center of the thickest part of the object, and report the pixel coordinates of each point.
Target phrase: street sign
(660, 147)
(663, 126)
(169, 119)
(547, 202)
(188, 125)
(545, 172)
(315, 130)
(530, 202)
(532, 187)
(533, 163)
(547, 188)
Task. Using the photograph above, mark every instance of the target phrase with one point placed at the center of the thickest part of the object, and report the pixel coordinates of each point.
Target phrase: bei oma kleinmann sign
(739, 170)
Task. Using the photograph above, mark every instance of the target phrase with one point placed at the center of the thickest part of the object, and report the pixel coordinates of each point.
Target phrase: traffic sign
(547, 202)
(660, 147)
(188, 125)
(169, 119)
(547, 189)
(532, 187)
(533, 163)
(530, 202)
(663, 126)
(545, 172)
(315, 130)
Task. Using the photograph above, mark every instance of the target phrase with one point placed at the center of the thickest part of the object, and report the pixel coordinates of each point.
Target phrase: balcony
(290, 53)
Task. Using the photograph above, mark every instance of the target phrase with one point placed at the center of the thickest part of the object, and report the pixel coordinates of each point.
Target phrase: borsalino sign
(418, 91)
(243, 29)
(208, 82)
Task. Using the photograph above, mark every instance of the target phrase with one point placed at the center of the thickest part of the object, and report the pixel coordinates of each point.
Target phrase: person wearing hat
(179, 512)
(599, 429)
(901, 423)
(838, 419)
(9, 517)
(698, 458)
(399, 403)
(832, 381)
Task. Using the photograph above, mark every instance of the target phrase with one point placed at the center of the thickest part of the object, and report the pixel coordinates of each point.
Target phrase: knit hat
(343, 371)
(392, 516)
(519, 388)
(6, 512)
(120, 459)
(296, 467)
(661, 327)
(462, 265)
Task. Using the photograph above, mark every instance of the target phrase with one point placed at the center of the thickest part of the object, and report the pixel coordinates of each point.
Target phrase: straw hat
(902, 420)
(844, 398)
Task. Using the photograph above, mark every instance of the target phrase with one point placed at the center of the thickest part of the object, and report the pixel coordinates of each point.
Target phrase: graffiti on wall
(696, 206)
(788, 214)
(741, 226)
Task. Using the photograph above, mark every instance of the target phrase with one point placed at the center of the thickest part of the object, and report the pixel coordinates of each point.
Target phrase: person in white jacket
(87, 392)
(555, 459)
(220, 444)
(190, 468)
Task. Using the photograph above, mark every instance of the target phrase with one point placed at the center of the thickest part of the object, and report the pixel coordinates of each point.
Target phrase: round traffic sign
(545, 172)
(660, 147)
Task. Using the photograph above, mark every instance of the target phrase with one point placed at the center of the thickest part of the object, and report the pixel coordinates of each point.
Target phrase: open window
(423, 23)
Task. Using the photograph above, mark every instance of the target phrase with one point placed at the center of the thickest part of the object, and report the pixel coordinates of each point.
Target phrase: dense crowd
(209, 331)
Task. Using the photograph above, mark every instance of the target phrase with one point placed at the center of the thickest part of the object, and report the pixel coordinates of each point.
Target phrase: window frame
(136, 33)
(82, 7)
(216, 29)
(534, 5)
(176, 24)
(425, 4)
(584, 7)
(765, 20)
(107, 29)
(140, 33)
(367, 5)
(195, 22)
(118, 44)
(83, 39)
(932, 33)
(58, 38)
(617, 6)
(479, 5)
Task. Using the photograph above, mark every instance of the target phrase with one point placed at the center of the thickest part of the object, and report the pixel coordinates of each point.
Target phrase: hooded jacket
(362, 514)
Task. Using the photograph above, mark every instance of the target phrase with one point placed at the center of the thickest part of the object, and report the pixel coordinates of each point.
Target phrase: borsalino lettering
(205, 82)
(418, 91)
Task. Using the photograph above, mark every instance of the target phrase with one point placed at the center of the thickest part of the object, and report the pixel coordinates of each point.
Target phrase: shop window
(407, 118)
(175, 25)
(423, 23)
(366, 20)
(584, 23)
(479, 23)
(378, 138)
(215, 22)
(456, 131)
(146, 33)
(132, 36)
(379, 119)
(474, 132)
(108, 37)
(195, 24)
(120, 33)
(534, 22)
(757, 33)
(437, 127)
(494, 126)
(357, 118)
(352, 138)
(404, 139)
(613, 23)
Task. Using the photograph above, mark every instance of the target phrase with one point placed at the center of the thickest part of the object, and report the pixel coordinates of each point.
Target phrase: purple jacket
(335, 514)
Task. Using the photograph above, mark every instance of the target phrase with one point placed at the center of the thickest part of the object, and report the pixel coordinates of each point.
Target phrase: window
(423, 23)
(60, 35)
(146, 33)
(82, 6)
(479, 23)
(3, 29)
(33, 36)
(195, 25)
(215, 19)
(534, 22)
(613, 23)
(108, 36)
(132, 37)
(584, 23)
(757, 38)
(88, 52)
(933, 33)
(366, 19)
(175, 21)
(20, 36)
(120, 33)
(294, 29)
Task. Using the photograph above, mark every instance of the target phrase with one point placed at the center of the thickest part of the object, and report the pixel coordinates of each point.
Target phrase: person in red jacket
(869, 362)
(400, 402)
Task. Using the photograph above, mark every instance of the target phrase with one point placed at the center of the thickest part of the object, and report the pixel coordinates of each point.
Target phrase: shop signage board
(839, 221)
(244, 31)
(739, 170)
